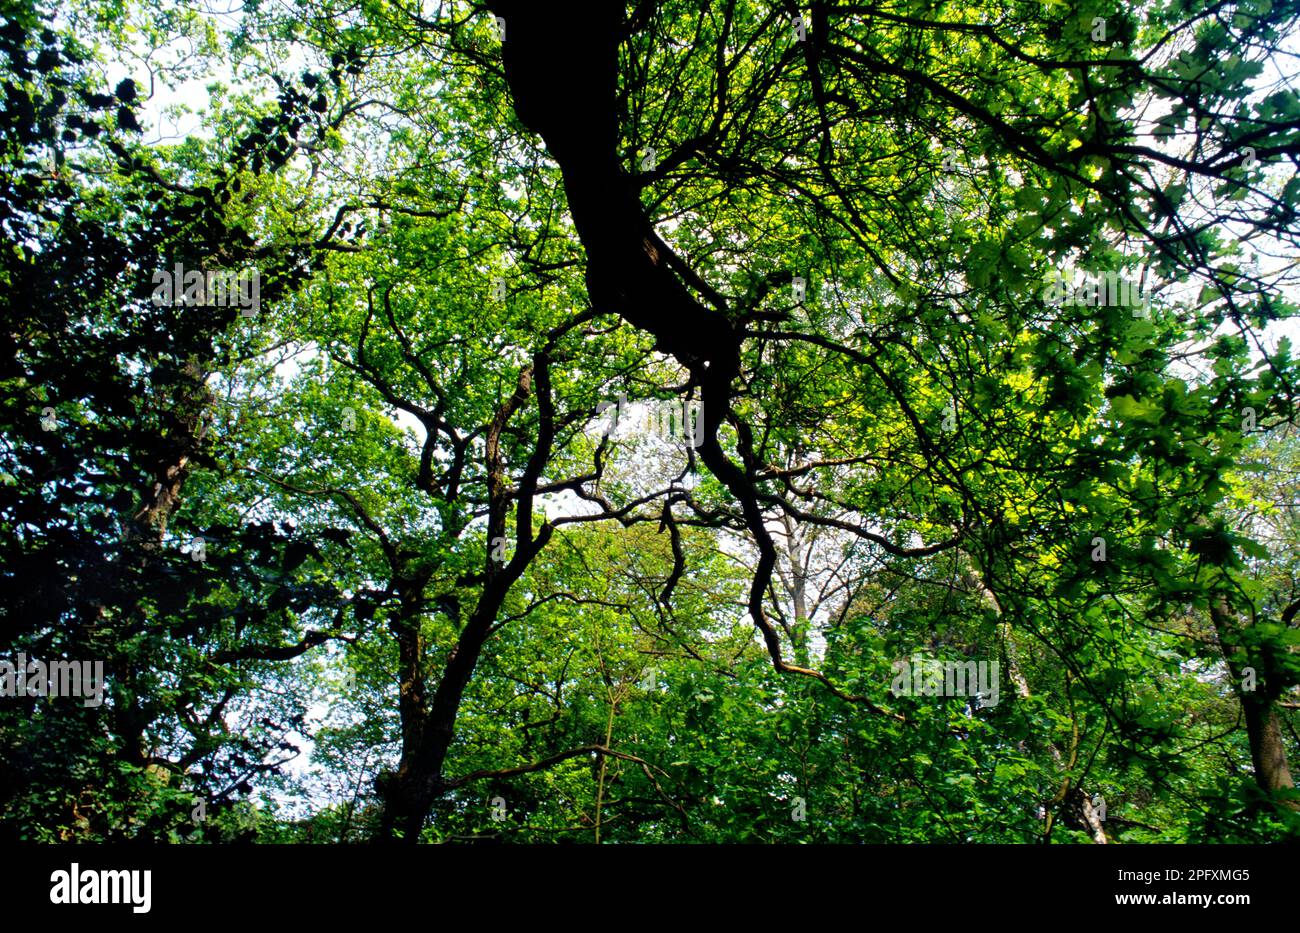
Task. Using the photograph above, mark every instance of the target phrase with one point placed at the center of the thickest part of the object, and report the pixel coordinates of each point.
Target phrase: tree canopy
(658, 421)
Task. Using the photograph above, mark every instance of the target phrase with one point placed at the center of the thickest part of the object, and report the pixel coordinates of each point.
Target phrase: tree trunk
(1267, 751)
(1263, 732)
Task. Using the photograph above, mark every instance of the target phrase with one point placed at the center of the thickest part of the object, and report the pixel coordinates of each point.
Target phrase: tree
(101, 560)
(979, 305)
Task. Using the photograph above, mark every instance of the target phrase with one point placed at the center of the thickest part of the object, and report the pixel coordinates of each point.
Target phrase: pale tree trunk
(795, 581)
(1087, 813)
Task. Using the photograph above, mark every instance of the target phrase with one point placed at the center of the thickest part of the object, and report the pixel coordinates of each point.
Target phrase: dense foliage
(636, 403)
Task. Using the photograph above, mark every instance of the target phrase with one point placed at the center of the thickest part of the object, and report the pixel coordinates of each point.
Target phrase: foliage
(371, 563)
